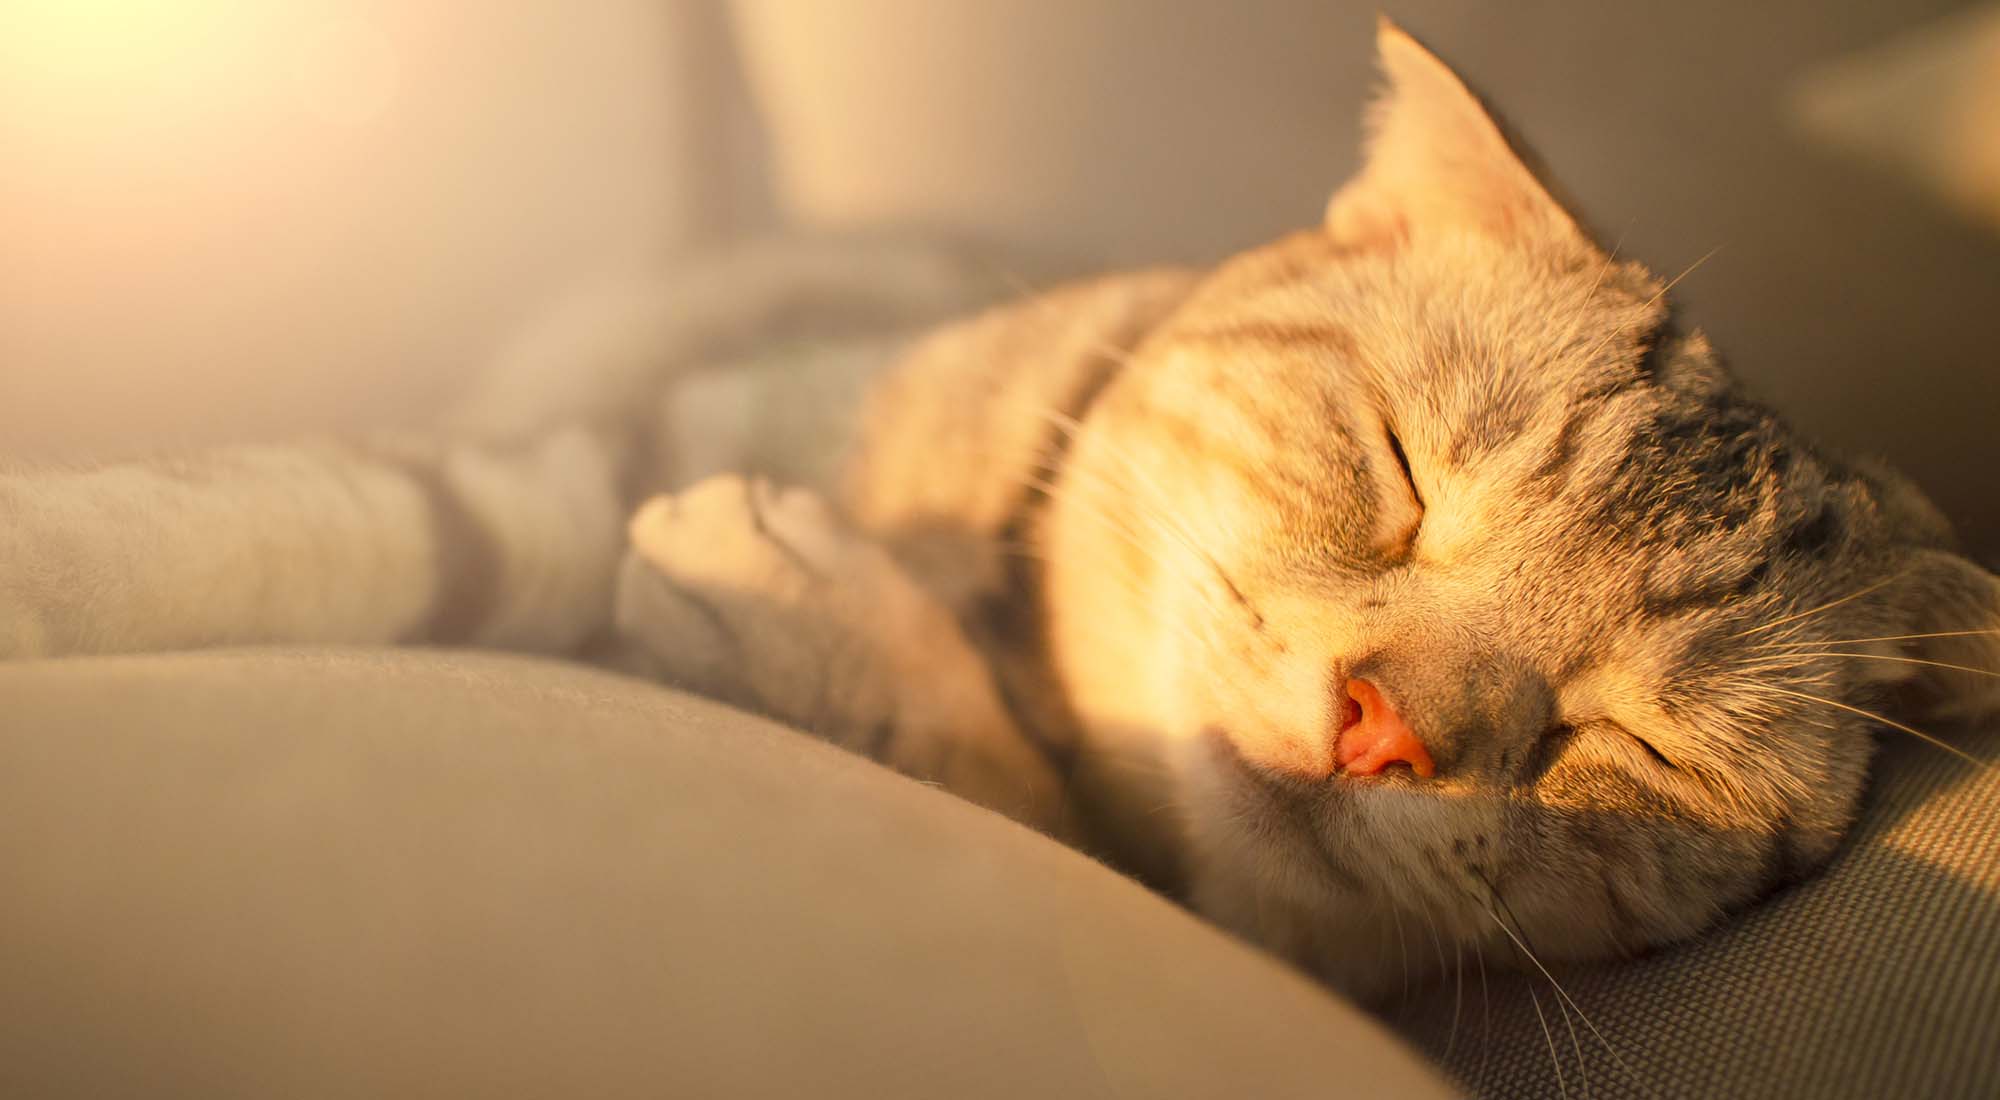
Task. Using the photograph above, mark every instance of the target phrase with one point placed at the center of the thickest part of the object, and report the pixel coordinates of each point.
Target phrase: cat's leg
(510, 546)
(508, 538)
(761, 597)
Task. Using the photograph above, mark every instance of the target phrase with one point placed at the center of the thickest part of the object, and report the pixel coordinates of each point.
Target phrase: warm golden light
(305, 215)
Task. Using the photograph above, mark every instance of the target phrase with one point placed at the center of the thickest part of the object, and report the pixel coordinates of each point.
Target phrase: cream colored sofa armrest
(296, 874)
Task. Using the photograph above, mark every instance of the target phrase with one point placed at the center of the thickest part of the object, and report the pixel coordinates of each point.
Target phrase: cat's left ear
(1437, 163)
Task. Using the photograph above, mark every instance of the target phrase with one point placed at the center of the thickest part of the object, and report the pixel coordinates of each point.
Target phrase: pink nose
(1373, 736)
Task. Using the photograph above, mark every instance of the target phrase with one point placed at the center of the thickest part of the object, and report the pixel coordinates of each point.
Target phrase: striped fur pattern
(1448, 443)
(1102, 558)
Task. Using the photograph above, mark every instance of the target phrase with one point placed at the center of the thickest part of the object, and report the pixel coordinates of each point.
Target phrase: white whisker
(1583, 305)
(1437, 944)
(1105, 516)
(1402, 950)
(1561, 1086)
(1457, 993)
(1127, 571)
(1158, 512)
(1827, 606)
(1582, 1071)
(1889, 638)
(1650, 302)
(1808, 654)
(1032, 296)
(1485, 1015)
(1872, 716)
(1133, 468)
(1555, 985)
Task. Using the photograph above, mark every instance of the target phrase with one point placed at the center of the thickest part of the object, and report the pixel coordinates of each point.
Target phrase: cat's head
(1478, 603)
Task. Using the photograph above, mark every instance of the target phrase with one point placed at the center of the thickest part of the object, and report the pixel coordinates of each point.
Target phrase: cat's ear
(1953, 618)
(1437, 163)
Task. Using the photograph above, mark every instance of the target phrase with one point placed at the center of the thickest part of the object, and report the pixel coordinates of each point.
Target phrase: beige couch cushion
(356, 873)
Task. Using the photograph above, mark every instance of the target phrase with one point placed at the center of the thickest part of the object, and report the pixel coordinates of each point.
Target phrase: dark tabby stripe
(1782, 861)
(1586, 406)
(1268, 333)
(1623, 920)
(1666, 605)
(1564, 451)
(1811, 536)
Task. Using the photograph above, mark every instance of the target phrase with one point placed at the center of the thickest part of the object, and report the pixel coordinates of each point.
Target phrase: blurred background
(244, 219)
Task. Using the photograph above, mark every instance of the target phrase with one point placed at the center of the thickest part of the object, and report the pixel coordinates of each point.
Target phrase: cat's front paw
(741, 591)
(760, 596)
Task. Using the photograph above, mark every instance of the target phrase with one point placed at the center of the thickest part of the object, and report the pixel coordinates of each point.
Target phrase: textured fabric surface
(1878, 978)
(325, 874)
(417, 874)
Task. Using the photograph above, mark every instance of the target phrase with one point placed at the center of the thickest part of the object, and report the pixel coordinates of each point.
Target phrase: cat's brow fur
(1104, 557)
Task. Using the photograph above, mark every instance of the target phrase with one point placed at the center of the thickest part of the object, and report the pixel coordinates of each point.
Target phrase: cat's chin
(1331, 932)
(1257, 866)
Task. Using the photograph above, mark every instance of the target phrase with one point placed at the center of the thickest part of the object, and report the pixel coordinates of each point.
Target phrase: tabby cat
(1416, 568)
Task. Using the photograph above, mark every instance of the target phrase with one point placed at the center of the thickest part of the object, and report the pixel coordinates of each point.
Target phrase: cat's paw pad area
(745, 591)
(740, 532)
(762, 597)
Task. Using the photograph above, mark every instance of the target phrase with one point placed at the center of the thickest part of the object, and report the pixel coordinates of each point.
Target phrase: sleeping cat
(1416, 569)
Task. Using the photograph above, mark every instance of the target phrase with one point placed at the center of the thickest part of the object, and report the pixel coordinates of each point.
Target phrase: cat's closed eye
(1639, 742)
(1559, 735)
(1405, 539)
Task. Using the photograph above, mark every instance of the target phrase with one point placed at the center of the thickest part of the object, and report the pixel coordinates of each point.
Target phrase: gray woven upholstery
(1879, 978)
